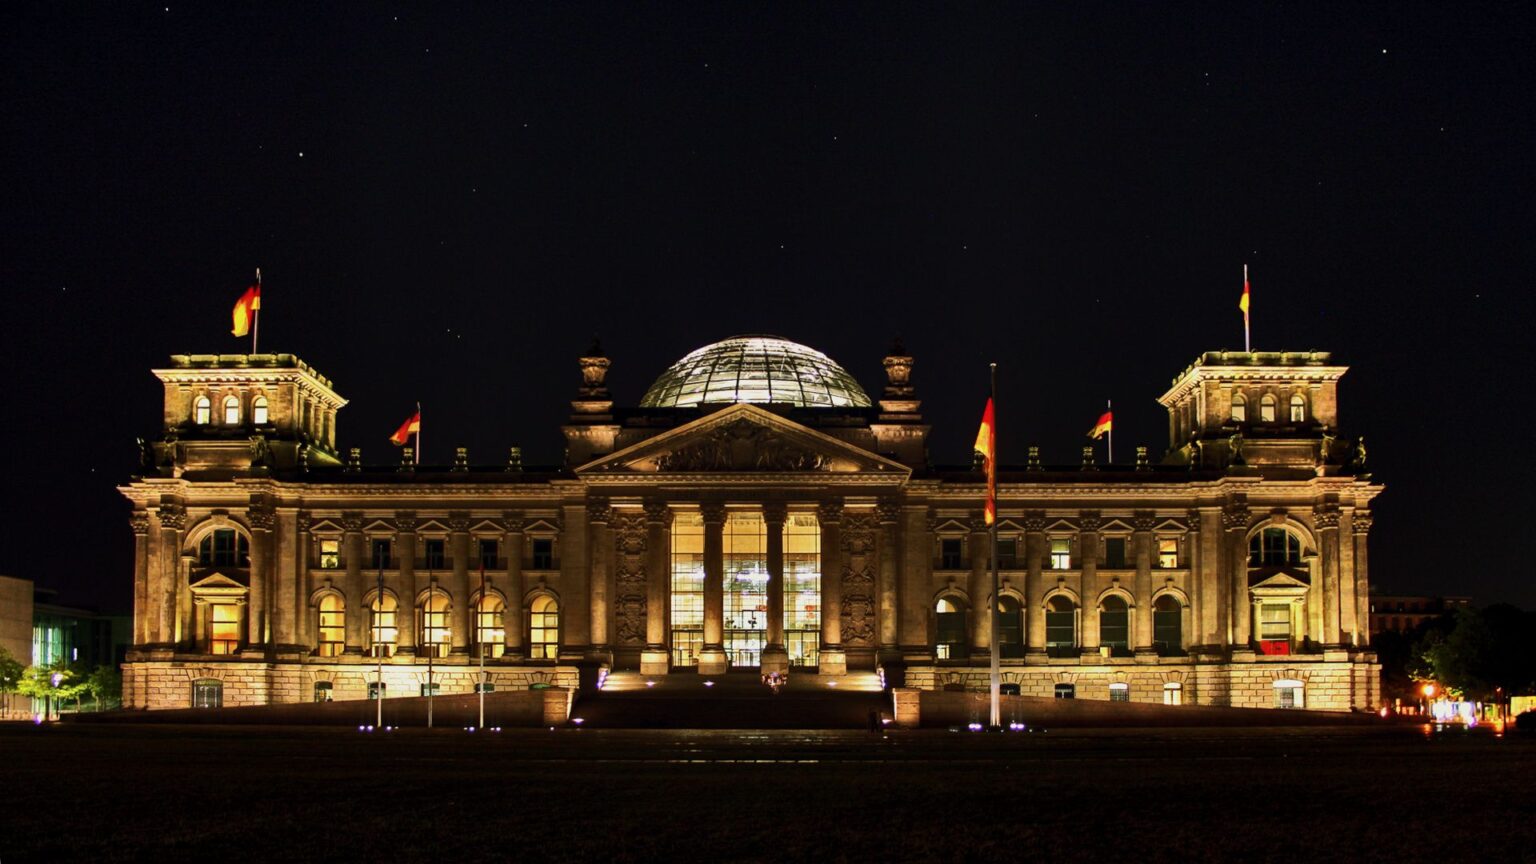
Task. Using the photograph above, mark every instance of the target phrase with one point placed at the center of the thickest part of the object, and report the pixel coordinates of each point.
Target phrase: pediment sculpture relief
(742, 446)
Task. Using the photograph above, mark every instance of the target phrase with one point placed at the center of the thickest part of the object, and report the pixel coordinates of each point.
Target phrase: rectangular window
(745, 544)
(1066, 691)
(330, 554)
(1114, 553)
(1275, 621)
(1167, 553)
(1173, 694)
(487, 687)
(1061, 629)
(951, 553)
(1119, 692)
(1288, 696)
(380, 558)
(1061, 553)
(434, 553)
(223, 628)
(375, 688)
(687, 588)
(1007, 553)
(433, 689)
(207, 694)
(802, 589)
(544, 553)
(490, 554)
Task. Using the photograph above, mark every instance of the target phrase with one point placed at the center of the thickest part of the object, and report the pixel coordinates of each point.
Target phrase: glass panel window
(544, 628)
(543, 553)
(688, 587)
(231, 411)
(376, 688)
(1061, 553)
(951, 553)
(1007, 553)
(207, 693)
(434, 625)
(380, 559)
(1167, 626)
(433, 689)
(224, 547)
(330, 554)
(490, 554)
(1060, 626)
(202, 411)
(223, 628)
(1173, 693)
(324, 692)
(1289, 693)
(487, 687)
(260, 417)
(1274, 547)
(1167, 553)
(1010, 628)
(434, 553)
(1239, 409)
(1114, 553)
(1275, 621)
(332, 626)
(802, 589)
(1119, 692)
(1115, 625)
(490, 635)
(746, 587)
(1298, 408)
(1267, 409)
(949, 629)
(1066, 691)
(383, 632)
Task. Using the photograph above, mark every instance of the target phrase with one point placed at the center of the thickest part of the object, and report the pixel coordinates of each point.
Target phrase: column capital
(458, 523)
(261, 518)
(1235, 517)
(1144, 520)
(173, 516)
(406, 522)
(775, 512)
(977, 524)
(829, 512)
(1088, 521)
(303, 519)
(138, 520)
(1034, 521)
(352, 523)
(888, 511)
(599, 511)
(1325, 517)
(713, 512)
(513, 522)
(658, 513)
(1360, 522)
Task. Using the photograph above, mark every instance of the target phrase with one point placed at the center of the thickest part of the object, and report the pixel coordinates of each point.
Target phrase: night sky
(449, 201)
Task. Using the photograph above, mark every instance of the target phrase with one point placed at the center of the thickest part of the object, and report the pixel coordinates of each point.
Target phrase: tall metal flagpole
(256, 313)
(997, 675)
(431, 646)
(378, 644)
(1247, 348)
(417, 454)
(480, 640)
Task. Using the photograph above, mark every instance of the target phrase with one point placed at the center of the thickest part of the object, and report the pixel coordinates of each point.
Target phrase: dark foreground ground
(165, 793)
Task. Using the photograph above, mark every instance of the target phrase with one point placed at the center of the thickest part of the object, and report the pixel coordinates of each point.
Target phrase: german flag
(986, 448)
(1243, 302)
(245, 309)
(1106, 423)
(407, 429)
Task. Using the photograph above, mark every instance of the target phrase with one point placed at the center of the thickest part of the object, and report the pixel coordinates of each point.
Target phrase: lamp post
(1429, 695)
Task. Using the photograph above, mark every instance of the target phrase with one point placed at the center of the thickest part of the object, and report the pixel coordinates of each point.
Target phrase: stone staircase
(737, 700)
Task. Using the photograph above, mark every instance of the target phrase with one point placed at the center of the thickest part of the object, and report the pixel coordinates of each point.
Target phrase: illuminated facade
(756, 510)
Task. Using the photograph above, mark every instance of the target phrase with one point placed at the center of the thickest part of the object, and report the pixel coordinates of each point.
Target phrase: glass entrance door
(746, 588)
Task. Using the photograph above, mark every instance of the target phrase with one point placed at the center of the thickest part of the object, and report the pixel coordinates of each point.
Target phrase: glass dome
(756, 369)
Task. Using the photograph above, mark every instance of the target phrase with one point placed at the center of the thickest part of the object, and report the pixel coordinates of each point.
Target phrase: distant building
(79, 636)
(755, 511)
(16, 617)
(1400, 613)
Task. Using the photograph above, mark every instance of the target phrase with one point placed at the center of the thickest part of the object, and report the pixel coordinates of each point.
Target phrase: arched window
(1267, 409)
(1290, 693)
(1298, 408)
(1239, 409)
(490, 635)
(544, 628)
(1115, 625)
(1173, 693)
(1274, 547)
(207, 693)
(259, 411)
(949, 629)
(224, 547)
(223, 628)
(1060, 627)
(332, 626)
(231, 410)
(1168, 626)
(323, 691)
(202, 411)
(383, 626)
(1119, 692)
(434, 625)
(1010, 627)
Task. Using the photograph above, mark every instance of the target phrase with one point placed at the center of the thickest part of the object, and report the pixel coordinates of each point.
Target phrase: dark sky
(449, 200)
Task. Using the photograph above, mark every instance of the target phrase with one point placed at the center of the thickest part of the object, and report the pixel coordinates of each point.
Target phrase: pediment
(744, 439)
(379, 526)
(1116, 526)
(1170, 526)
(432, 526)
(326, 526)
(217, 583)
(486, 526)
(1061, 526)
(1279, 582)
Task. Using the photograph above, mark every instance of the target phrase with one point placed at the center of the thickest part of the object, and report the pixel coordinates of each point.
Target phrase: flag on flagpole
(1105, 424)
(407, 429)
(986, 448)
(1243, 305)
(245, 309)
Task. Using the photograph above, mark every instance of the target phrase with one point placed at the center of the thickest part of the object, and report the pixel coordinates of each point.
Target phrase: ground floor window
(323, 691)
(1010, 628)
(1066, 691)
(1060, 627)
(375, 688)
(804, 647)
(207, 693)
(1168, 626)
(949, 629)
(433, 689)
(1119, 692)
(1173, 693)
(544, 628)
(487, 687)
(1289, 694)
(686, 644)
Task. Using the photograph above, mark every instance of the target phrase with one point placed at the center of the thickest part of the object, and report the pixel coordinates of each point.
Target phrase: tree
(11, 672)
(52, 683)
(1484, 652)
(105, 682)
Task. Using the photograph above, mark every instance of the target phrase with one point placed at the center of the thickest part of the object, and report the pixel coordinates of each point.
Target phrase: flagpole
(480, 639)
(1247, 348)
(1110, 407)
(256, 313)
(997, 675)
(431, 646)
(378, 644)
(417, 455)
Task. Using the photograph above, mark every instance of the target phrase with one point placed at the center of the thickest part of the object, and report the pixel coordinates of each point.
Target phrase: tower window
(202, 411)
(259, 411)
(1239, 409)
(231, 411)
(1298, 408)
(224, 547)
(330, 554)
(1267, 409)
(1167, 553)
(1061, 554)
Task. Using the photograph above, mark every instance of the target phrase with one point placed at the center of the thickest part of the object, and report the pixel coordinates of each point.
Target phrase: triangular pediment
(1170, 526)
(217, 583)
(1279, 582)
(1116, 526)
(326, 526)
(744, 439)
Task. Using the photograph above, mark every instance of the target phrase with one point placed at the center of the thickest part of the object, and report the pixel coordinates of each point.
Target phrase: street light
(1429, 695)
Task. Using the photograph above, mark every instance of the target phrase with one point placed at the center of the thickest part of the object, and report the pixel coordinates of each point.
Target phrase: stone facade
(750, 528)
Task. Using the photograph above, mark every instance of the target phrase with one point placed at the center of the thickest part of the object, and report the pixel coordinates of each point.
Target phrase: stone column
(600, 542)
(888, 609)
(1088, 523)
(916, 579)
(979, 587)
(834, 660)
(405, 587)
(458, 589)
(712, 659)
(1360, 524)
(286, 604)
(356, 614)
(139, 522)
(1326, 520)
(1235, 520)
(1034, 589)
(775, 656)
(512, 614)
(173, 519)
(303, 619)
(654, 658)
(258, 608)
(1141, 540)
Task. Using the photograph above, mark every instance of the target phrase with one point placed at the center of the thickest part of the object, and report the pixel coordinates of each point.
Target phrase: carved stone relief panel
(859, 604)
(629, 571)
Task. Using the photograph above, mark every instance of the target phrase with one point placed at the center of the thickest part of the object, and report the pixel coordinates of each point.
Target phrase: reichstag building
(757, 510)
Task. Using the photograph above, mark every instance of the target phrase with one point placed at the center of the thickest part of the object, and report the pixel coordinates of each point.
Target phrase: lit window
(543, 553)
(1168, 626)
(949, 639)
(223, 628)
(259, 413)
(1274, 547)
(1061, 553)
(490, 554)
(1289, 694)
(1119, 692)
(381, 550)
(1114, 553)
(1066, 691)
(383, 632)
(951, 553)
(434, 553)
(1173, 693)
(1275, 622)
(1267, 409)
(490, 636)
(323, 691)
(333, 626)
(1115, 625)
(330, 554)
(544, 629)
(1239, 409)
(207, 693)
(434, 625)
(1060, 626)
(224, 547)
(687, 596)
(377, 687)
(202, 411)
(802, 589)
(1167, 553)
(1298, 408)
(231, 411)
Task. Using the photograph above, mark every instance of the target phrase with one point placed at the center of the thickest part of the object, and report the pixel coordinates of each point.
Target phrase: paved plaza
(171, 793)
